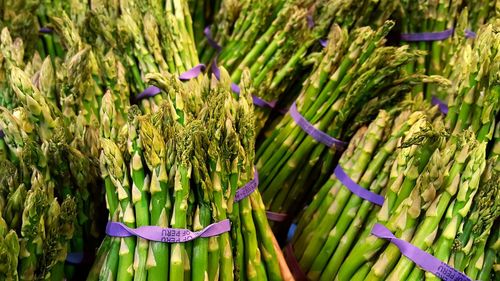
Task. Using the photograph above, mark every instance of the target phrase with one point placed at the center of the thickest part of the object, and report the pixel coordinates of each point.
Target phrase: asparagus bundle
(448, 195)
(38, 206)
(337, 214)
(468, 251)
(186, 162)
(275, 48)
(332, 103)
(49, 127)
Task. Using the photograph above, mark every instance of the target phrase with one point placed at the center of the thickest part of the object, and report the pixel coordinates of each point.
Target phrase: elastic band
(310, 21)
(316, 134)
(75, 258)
(434, 36)
(210, 39)
(149, 92)
(323, 42)
(276, 217)
(293, 264)
(357, 189)
(45, 30)
(443, 107)
(427, 36)
(248, 188)
(262, 103)
(167, 235)
(423, 259)
(152, 91)
(470, 34)
(193, 72)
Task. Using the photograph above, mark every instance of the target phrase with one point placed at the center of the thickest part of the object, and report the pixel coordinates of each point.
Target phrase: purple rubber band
(443, 107)
(293, 264)
(152, 91)
(310, 21)
(276, 217)
(75, 258)
(470, 34)
(357, 189)
(434, 36)
(210, 40)
(423, 259)
(262, 103)
(316, 134)
(193, 72)
(248, 188)
(323, 42)
(149, 92)
(45, 30)
(427, 36)
(167, 235)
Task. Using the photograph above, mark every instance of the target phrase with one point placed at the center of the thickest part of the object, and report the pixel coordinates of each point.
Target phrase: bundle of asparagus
(376, 156)
(51, 176)
(275, 48)
(188, 163)
(356, 77)
(468, 252)
(429, 197)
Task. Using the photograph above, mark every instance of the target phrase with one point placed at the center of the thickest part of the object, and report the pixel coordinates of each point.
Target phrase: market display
(249, 140)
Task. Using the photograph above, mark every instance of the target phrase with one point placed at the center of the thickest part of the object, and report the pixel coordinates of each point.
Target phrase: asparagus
(328, 111)
(469, 181)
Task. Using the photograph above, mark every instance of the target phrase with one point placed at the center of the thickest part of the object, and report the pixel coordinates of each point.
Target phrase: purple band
(167, 235)
(45, 30)
(443, 107)
(293, 264)
(427, 36)
(75, 258)
(276, 217)
(262, 103)
(193, 72)
(310, 21)
(2, 134)
(323, 42)
(248, 188)
(423, 259)
(356, 189)
(434, 36)
(318, 135)
(152, 91)
(210, 40)
(470, 33)
(149, 92)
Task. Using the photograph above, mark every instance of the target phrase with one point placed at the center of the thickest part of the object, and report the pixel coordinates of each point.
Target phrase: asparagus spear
(140, 186)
